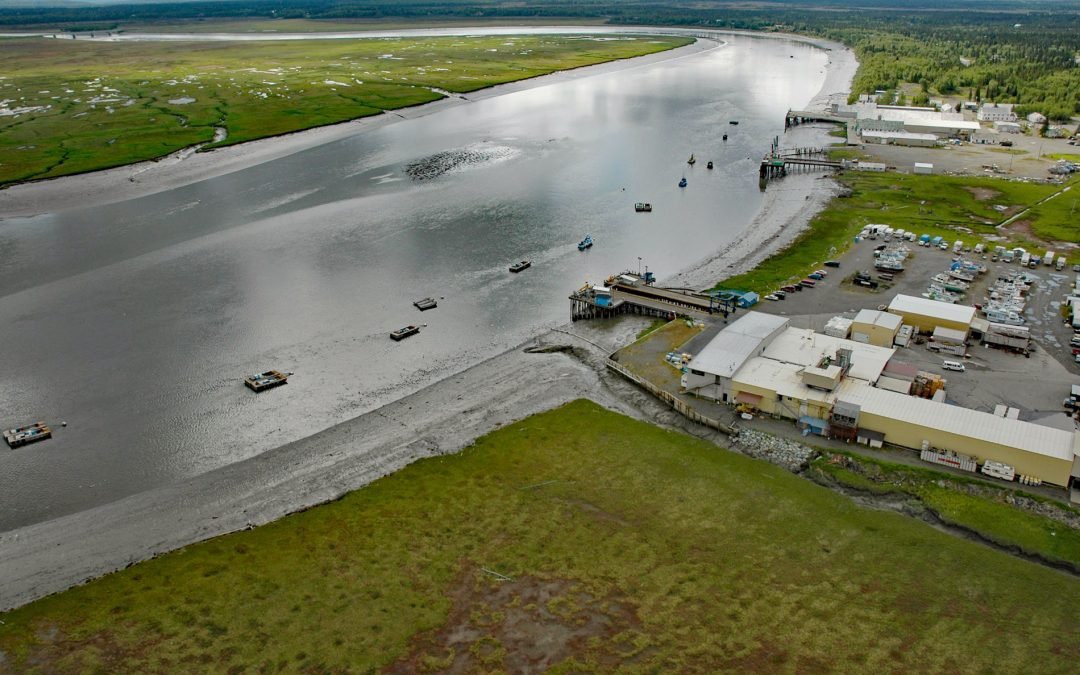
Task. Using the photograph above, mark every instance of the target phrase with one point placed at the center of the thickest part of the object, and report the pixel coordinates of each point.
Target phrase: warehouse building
(913, 422)
(925, 315)
(875, 327)
(709, 374)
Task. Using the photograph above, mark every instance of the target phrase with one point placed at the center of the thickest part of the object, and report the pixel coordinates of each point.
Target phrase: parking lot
(1036, 385)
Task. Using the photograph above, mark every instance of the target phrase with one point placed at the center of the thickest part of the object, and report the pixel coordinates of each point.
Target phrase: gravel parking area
(1026, 158)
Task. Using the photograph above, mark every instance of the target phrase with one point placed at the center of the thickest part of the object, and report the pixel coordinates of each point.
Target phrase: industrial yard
(930, 376)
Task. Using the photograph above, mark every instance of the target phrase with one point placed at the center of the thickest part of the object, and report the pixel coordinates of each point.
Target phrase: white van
(953, 365)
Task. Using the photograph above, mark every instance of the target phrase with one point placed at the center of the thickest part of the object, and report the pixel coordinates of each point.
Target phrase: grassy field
(577, 540)
(954, 207)
(85, 105)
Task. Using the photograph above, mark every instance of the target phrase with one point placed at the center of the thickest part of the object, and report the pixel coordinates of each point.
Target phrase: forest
(1018, 51)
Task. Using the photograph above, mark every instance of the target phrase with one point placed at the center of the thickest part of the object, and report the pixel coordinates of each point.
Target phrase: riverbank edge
(49, 557)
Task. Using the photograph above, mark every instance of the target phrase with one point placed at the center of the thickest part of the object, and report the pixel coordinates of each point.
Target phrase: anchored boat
(425, 303)
(523, 265)
(585, 243)
(691, 160)
(262, 381)
(725, 137)
(682, 183)
(643, 206)
(31, 433)
(402, 333)
(709, 165)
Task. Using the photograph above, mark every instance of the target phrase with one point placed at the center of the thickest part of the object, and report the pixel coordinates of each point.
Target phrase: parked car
(823, 273)
(815, 276)
(770, 296)
(780, 294)
(832, 263)
(791, 288)
(880, 247)
(809, 283)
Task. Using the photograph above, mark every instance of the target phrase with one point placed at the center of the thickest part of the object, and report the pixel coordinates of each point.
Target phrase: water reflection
(135, 322)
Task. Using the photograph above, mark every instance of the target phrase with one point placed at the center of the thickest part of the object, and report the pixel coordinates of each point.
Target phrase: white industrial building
(899, 138)
(891, 120)
(710, 372)
(1008, 127)
(996, 112)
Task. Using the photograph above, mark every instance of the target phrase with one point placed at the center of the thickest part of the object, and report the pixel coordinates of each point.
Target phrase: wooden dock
(778, 163)
(628, 293)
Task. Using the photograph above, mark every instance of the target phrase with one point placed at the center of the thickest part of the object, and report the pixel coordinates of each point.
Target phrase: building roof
(997, 107)
(805, 348)
(878, 318)
(910, 304)
(911, 135)
(732, 346)
(954, 419)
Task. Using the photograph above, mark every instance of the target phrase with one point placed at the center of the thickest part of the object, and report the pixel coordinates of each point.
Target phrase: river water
(135, 322)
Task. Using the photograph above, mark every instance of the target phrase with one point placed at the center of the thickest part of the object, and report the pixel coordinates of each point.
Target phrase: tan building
(875, 328)
(1032, 449)
(926, 315)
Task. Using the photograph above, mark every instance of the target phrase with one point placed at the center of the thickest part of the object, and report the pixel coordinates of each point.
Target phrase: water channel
(135, 322)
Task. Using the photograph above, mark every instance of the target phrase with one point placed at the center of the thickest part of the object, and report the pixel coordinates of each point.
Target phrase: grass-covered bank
(955, 207)
(989, 511)
(610, 542)
(84, 105)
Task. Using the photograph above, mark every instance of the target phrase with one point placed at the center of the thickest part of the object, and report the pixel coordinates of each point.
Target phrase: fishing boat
(425, 304)
(31, 433)
(585, 243)
(402, 333)
(691, 160)
(709, 165)
(523, 265)
(263, 381)
(725, 137)
(643, 207)
(682, 183)
(733, 122)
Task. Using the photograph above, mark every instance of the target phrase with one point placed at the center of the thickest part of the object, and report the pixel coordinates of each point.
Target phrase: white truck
(1048, 259)
(1060, 263)
(1025, 259)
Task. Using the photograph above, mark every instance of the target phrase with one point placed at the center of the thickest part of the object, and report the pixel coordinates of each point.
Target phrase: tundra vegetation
(580, 540)
(71, 106)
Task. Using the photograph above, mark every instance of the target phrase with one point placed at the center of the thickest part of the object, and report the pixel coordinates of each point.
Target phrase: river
(135, 322)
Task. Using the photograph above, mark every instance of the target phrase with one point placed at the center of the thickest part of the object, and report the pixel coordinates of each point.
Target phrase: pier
(778, 162)
(630, 293)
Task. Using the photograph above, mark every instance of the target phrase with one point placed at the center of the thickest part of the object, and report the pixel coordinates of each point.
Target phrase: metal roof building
(806, 348)
(875, 327)
(710, 372)
(926, 315)
(1032, 449)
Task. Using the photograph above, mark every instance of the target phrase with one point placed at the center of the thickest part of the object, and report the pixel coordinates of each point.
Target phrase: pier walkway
(629, 293)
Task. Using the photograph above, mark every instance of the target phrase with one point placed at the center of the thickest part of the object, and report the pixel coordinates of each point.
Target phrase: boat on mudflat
(266, 380)
(523, 265)
(402, 333)
(641, 207)
(691, 160)
(425, 304)
(585, 243)
(31, 433)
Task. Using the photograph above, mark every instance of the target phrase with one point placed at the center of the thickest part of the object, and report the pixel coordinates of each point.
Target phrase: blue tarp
(818, 425)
